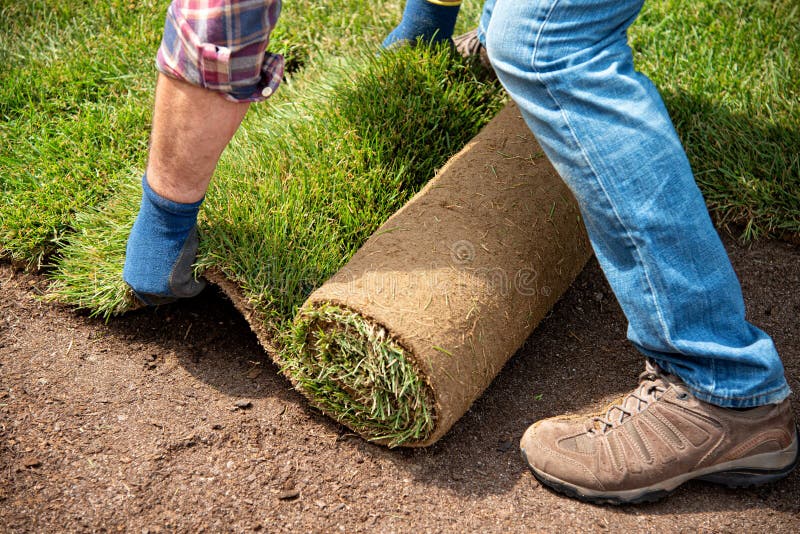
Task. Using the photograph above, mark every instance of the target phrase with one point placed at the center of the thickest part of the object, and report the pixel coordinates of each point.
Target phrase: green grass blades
(352, 370)
(305, 182)
(73, 109)
(730, 74)
(76, 93)
(89, 274)
(309, 28)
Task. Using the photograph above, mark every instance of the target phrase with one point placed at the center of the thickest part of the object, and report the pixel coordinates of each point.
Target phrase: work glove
(428, 20)
(161, 249)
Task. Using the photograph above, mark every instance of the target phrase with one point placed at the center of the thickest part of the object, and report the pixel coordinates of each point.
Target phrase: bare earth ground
(175, 419)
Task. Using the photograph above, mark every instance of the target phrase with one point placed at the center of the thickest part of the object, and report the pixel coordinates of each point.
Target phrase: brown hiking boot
(469, 46)
(656, 438)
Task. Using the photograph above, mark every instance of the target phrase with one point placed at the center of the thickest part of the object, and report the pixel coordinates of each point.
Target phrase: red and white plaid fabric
(221, 45)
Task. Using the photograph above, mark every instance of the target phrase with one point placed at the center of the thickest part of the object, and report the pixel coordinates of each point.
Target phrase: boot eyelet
(682, 395)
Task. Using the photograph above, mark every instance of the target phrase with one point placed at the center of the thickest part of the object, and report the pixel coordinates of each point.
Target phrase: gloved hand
(161, 249)
(429, 20)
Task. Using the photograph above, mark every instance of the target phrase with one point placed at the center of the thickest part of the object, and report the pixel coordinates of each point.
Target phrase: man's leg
(605, 129)
(213, 63)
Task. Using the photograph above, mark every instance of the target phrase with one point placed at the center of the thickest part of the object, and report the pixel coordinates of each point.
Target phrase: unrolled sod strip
(400, 342)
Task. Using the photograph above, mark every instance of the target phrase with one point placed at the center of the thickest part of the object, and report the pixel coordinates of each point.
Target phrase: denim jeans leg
(603, 125)
(486, 17)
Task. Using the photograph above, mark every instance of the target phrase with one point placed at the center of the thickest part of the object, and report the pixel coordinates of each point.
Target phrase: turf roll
(446, 279)
(399, 343)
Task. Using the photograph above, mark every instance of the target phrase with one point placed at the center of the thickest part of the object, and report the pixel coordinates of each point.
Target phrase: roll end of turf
(399, 343)
(353, 369)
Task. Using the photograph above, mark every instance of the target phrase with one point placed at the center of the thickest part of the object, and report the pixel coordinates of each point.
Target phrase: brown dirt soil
(175, 420)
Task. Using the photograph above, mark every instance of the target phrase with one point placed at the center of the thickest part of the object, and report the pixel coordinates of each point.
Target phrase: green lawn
(76, 96)
(730, 75)
(346, 142)
(76, 92)
(75, 115)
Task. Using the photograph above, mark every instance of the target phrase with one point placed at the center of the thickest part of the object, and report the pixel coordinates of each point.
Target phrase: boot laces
(652, 385)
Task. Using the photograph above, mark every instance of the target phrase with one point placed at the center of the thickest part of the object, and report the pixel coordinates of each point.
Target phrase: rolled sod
(400, 342)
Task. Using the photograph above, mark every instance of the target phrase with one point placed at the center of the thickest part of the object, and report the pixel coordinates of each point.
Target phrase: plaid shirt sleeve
(221, 45)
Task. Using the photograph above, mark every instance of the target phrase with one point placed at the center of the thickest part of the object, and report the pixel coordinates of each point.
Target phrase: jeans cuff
(773, 395)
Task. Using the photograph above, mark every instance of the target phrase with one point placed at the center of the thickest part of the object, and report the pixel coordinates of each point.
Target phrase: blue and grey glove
(161, 249)
(429, 20)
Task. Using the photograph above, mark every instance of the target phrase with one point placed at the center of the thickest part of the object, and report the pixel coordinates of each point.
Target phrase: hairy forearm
(191, 128)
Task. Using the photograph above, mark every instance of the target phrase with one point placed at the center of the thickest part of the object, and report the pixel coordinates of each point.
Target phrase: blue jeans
(604, 127)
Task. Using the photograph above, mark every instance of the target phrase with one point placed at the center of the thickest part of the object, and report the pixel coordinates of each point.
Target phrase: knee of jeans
(500, 49)
(512, 49)
(537, 47)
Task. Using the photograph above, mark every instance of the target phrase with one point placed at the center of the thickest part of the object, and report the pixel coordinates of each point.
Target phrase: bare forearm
(191, 128)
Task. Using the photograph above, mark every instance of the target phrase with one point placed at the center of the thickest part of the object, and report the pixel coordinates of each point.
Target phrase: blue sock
(428, 20)
(161, 249)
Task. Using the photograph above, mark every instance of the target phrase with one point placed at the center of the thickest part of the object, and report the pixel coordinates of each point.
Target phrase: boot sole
(742, 473)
